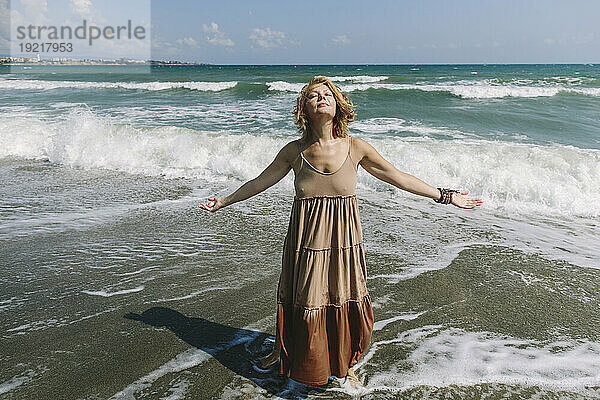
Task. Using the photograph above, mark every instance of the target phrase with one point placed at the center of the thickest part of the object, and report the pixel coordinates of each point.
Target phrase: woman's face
(320, 102)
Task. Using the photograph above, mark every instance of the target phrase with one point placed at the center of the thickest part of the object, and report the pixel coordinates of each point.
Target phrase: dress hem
(337, 338)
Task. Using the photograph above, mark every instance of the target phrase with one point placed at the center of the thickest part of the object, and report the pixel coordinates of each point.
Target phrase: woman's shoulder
(356, 140)
(358, 143)
(291, 150)
(360, 148)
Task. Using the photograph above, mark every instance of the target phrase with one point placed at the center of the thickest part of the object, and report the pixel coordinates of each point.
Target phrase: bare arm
(382, 169)
(278, 168)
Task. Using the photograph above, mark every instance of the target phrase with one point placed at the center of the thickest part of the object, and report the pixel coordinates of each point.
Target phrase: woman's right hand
(214, 203)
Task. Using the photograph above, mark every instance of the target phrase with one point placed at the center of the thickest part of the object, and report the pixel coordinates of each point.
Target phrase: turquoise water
(102, 172)
(540, 104)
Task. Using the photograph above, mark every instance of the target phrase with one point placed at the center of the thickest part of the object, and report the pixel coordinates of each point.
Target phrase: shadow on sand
(235, 348)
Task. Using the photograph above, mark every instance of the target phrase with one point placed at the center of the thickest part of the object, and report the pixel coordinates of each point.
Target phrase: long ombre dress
(324, 313)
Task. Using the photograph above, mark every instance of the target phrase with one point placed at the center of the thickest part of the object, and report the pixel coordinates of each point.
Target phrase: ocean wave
(360, 79)
(513, 177)
(33, 84)
(463, 89)
(387, 125)
(482, 89)
(282, 86)
(83, 139)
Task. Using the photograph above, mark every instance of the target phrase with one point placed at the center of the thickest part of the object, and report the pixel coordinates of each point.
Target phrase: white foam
(421, 262)
(189, 296)
(183, 361)
(33, 326)
(475, 89)
(378, 325)
(385, 125)
(509, 177)
(108, 310)
(16, 381)
(177, 391)
(479, 89)
(527, 279)
(86, 140)
(285, 86)
(57, 222)
(442, 357)
(537, 199)
(104, 293)
(13, 302)
(33, 84)
(360, 79)
(136, 272)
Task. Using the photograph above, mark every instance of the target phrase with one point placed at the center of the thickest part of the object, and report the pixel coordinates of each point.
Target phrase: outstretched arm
(382, 169)
(278, 168)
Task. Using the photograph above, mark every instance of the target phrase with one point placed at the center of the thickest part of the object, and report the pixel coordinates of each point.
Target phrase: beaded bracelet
(446, 195)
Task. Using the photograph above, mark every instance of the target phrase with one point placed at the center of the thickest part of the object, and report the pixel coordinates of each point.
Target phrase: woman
(324, 313)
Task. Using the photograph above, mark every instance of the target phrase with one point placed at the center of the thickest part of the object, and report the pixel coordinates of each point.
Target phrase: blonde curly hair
(344, 111)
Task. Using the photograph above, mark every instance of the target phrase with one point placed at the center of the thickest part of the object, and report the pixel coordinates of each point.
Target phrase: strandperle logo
(85, 31)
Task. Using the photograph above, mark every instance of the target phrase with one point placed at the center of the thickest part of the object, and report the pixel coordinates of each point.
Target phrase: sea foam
(468, 89)
(33, 84)
(513, 177)
(477, 89)
(104, 293)
(442, 357)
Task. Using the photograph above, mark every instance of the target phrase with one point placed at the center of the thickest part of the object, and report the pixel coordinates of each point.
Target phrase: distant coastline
(90, 61)
(24, 61)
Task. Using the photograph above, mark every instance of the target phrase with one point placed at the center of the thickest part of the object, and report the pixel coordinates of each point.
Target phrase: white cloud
(34, 11)
(340, 40)
(266, 38)
(188, 41)
(215, 36)
(81, 7)
(4, 20)
(162, 48)
(135, 49)
(4, 45)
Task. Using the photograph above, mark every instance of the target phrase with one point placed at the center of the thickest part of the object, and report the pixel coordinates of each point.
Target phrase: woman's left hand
(459, 200)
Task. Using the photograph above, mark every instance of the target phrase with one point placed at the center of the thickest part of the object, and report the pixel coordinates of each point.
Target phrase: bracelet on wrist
(446, 195)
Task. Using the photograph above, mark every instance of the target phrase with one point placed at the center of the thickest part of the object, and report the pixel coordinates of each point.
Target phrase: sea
(114, 284)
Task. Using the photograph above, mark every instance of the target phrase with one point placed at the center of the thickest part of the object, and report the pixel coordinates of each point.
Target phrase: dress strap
(300, 154)
(349, 145)
(350, 156)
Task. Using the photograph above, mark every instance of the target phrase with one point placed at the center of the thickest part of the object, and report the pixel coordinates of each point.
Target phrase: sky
(346, 32)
